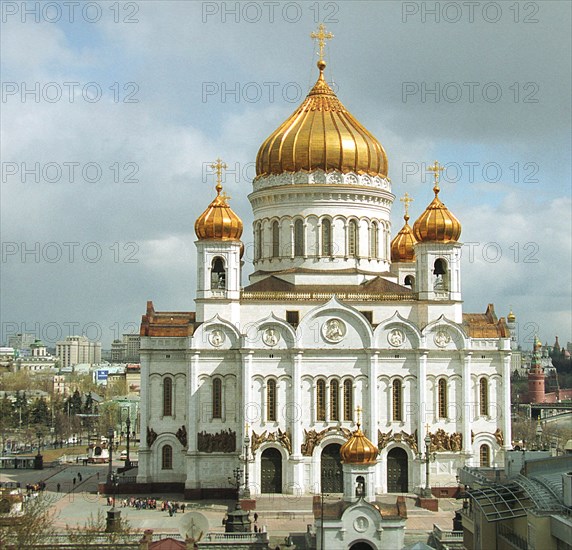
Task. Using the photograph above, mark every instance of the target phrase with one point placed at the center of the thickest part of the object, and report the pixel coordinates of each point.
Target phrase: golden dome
(358, 449)
(218, 221)
(403, 244)
(321, 135)
(511, 317)
(437, 223)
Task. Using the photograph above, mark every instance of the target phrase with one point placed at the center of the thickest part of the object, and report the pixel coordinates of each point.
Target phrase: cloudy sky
(112, 111)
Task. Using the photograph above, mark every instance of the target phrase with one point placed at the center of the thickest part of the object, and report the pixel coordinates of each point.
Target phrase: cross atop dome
(321, 36)
(218, 166)
(406, 200)
(436, 168)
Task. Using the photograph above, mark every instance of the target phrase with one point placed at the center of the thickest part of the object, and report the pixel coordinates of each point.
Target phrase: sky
(111, 113)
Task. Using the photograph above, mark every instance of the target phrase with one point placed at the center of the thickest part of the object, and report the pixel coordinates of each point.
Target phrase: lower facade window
(167, 457)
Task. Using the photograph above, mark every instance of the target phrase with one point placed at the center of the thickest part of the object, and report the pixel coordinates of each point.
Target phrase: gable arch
(444, 334)
(384, 334)
(203, 339)
(334, 325)
(256, 339)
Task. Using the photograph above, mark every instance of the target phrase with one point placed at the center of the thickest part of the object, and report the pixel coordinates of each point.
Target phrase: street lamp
(246, 493)
(429, 457)
(538, 436)
(128, 425)
(39, 459)
(110, 447)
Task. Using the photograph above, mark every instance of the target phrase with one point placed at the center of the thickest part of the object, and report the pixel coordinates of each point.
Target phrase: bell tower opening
(218, 274)
(441, 273)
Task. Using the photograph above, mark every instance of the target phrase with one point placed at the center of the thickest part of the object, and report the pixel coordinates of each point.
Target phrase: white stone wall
(245, 362)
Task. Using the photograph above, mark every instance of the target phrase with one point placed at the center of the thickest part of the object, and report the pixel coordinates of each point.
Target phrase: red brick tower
(536, 376)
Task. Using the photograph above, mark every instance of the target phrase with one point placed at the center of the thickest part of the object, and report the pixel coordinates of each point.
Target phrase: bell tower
(219, 252)
(438, 252)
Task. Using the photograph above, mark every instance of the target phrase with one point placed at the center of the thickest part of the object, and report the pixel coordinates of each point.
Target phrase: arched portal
(361, 546)
(271, 471)
(397, 471)
(332, 474)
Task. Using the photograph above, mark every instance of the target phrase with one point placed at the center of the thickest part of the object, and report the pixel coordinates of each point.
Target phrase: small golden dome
(358, 449)
(321, 135)
(511, 317)
(437, 223)
(403, 244)
(218, 221)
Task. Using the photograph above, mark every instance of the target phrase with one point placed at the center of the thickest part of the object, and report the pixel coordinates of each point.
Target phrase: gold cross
(358, 410)
(321, 36)
(427, 427)
(436, 168)
(406, 199)
(218, 166)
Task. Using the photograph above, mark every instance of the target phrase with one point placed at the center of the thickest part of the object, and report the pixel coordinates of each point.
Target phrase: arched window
(167, 397)
(410, 281)
(217, 398)
(348, 401)
(271, 400)
(334, 400)
(484, 397)
(373, 246)
(167, 457)
(326, 237)
(218, 274)
(440, 267)
(275, 240)
(352, 238)
(321, 400)
(485, 456)
(397, 401)
(299, 238)
(259, 243)
(442, 398)
(440, 272)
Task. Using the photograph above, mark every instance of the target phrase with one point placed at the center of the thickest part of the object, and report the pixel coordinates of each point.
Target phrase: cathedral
(336, 317)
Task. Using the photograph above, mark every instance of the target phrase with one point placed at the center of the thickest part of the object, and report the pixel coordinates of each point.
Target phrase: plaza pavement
(281, 514)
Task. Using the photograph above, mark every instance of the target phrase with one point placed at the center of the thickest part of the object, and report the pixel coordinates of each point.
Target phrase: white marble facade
(328, 324)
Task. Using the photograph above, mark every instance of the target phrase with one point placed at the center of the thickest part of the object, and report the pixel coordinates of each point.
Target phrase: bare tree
(33, 526)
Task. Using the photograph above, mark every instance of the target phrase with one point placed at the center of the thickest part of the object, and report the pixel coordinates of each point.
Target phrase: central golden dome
(321, 135)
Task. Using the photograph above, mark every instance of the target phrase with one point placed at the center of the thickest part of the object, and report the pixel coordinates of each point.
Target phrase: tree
(88, 405)
(109, 416)
(32, 527)
(40, 413)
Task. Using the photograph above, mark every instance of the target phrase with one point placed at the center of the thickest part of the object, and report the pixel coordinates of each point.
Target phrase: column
(297, 414)
(373, 417)
(144, 451)
(297, 410)
(422, 418)
(467, 403)
(372, 424)
(506, 401)
(194, 403)
(249, 413)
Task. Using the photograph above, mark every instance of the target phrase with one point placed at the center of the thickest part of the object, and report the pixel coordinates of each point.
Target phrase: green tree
(109, 416)
(40, 413)
(88, 405)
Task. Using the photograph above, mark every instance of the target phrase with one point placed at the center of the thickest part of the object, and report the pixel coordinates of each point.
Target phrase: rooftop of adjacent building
(183, 324)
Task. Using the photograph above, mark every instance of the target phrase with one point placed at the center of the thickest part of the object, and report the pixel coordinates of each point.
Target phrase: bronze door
(397, 471)
(271, 471)
(332, 474)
